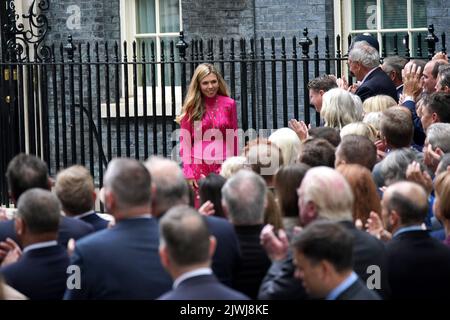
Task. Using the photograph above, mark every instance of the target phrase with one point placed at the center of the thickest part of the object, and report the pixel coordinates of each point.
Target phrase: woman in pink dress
(208, 123)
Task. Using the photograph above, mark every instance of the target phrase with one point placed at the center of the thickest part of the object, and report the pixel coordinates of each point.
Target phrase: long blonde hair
(193, 106)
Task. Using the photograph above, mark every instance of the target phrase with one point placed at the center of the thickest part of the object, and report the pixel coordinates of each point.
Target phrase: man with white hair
(364, 64)
(324, 194)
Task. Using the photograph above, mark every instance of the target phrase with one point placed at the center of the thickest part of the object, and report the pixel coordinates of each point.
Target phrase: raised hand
(276, 247)
(375, 227)
(299, 128)
(411, 81)
(207, 209)
(9, 251)
(414, 174)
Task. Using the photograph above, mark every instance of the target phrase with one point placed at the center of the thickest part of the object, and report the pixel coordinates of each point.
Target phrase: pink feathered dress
(207, 143)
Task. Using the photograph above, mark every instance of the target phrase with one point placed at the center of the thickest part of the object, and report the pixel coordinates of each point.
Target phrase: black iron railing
(83, 103)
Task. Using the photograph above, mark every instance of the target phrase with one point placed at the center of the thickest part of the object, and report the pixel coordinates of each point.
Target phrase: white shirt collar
(368, 73)
(40, 245)
(191, 274)
(84, 214)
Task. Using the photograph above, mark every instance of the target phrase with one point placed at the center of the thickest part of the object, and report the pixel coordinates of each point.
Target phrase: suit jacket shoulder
(39, 273)
(7, 230)
(72, 228)
(204, 287)
(428, 262)
(97, 222)
(358, 291)
(121, 263)
(377, 83)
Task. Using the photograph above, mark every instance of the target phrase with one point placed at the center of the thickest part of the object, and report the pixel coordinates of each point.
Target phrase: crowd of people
(355, 209)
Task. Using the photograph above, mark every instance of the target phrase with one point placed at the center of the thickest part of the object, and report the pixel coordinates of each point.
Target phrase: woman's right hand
(192, 183)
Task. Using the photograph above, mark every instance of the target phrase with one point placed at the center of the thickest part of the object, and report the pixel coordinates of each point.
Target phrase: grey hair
(365, 54)
(129, 181)
(438, 135)
(40, 210)
(185, 234)
(394, 63)
(339, 108)
(170, 185)
(330, 192)
(393, 167)
(444, 75)
(244, 196)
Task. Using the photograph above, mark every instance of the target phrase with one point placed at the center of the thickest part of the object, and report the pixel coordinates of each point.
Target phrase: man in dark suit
(323, 259)
(74, 187)
(170, 189)
(25, 172)
(364, 64)
(418, 265)
(40, 272)
(324, 194)
(122, 262)
(186, 249)
(243, 201)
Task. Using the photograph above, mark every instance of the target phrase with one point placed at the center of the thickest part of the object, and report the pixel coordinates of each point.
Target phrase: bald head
(409, 200)
(170, 187)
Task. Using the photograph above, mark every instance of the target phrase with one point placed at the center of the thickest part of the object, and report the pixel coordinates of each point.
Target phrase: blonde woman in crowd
(287, 140)
(378, 103)
(232, 165)
(339, 109)
(374, 119)
(360, 129)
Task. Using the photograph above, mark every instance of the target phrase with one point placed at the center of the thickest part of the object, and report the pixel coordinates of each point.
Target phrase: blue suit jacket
(72, 228)
(68, 228)
(121, 263)
(97, 222)
(418, 266)
(419, 134)
(40, 274)
(7, 230)
(358, 291)
(378, 82)
(204, 287)
(227, 257)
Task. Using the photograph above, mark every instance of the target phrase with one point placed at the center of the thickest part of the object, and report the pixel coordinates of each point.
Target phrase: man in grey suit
(323, 259)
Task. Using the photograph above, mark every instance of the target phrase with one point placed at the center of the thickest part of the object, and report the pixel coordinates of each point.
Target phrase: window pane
(148, 57)
(167, 57)
(419, 14)
(364, 14)
(394, 14)
(391, 44)
(145, 20)
(415, 44)
(169, 15)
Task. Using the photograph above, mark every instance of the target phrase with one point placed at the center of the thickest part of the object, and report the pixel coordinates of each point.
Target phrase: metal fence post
(305, 42)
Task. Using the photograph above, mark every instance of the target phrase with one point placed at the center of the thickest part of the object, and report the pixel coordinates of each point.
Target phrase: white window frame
(128, 33)
(343, 23)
